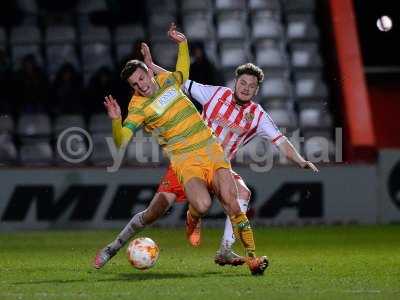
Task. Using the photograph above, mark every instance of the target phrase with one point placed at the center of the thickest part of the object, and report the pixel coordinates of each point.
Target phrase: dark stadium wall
(357, 117)
(384, 97)
(380, 54)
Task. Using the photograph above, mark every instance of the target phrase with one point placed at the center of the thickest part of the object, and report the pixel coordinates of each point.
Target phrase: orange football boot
(193, 230)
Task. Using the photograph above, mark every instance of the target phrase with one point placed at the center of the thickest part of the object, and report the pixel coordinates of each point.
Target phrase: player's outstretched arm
(183, 61)
(291, 153)
(148, 59)
(121, 135)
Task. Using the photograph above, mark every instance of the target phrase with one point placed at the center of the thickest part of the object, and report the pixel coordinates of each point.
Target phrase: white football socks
(229, 238)
(134, 226)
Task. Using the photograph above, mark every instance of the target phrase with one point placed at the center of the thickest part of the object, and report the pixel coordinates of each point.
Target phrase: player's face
(246, 87)
(142, 82)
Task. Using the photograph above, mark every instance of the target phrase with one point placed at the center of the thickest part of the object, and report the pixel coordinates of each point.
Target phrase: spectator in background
(66, 91)
(134, 54)
(6, 106)
(202, 70)
(31, 87)
(100, 85)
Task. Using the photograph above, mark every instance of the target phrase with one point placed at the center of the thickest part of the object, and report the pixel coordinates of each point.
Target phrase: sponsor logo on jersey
(165, 100)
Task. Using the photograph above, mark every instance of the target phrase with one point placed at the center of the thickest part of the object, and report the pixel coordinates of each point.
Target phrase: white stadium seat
(36, 154)
(276, 87)
(302, 28)
(310, 86)
(34, 126)
(198, 25)
(305, 56)
(231, 25)
(100, 123)
(233, 54)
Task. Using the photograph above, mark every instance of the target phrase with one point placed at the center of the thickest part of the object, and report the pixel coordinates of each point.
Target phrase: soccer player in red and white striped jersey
(234, 121)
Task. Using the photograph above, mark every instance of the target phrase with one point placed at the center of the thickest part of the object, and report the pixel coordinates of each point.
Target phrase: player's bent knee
(202, 207)
(244, 194)
(169, 198)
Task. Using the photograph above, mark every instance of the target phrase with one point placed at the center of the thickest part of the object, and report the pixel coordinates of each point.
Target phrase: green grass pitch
(349, 262)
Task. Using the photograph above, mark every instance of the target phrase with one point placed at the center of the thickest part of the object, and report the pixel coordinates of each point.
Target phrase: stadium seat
(314, 117)
(305, 56)
(319, 149)
(35, 126)
(100, 123)
(36, 154)
(60, 48)
(302, 28)
(96, 50)
(165, 53)
(58, 55)
(96, 34)
(60, 35)
(276, 103)
(18, 52)
(276, 87)
(125, 37)
(283, 118)
(25, 40)
(230, 4)
(258, 153)
(198, 25)
(7, 124)
(196, 5)
(266, 25)
(88, 6)
(8, 150)
(231, 25)
(67, 121)
(101, 155)
(309, 133)
(233, 54)
(25, 35)
(258, 5)
(159, 23)
(71, 149)
(128, 34)
(161, 5)
(307, 6)
(271, 55)
(310, 86)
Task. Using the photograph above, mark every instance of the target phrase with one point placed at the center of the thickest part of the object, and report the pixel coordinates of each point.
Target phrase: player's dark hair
(250, 69)
(130, 68)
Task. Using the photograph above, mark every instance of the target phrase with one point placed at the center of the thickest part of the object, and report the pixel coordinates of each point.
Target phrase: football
(143, 253)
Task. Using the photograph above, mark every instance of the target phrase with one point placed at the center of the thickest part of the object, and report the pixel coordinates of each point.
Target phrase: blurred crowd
(29, 88)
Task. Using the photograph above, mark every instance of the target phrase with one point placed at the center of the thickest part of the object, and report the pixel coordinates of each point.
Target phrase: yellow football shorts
(200, 163)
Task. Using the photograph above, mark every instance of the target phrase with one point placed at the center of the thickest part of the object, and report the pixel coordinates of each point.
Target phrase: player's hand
(309, 165)
(113, 109)
(175, 35)
(148, 60)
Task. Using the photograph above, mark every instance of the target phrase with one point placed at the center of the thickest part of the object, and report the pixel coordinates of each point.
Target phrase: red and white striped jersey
(234, 125)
